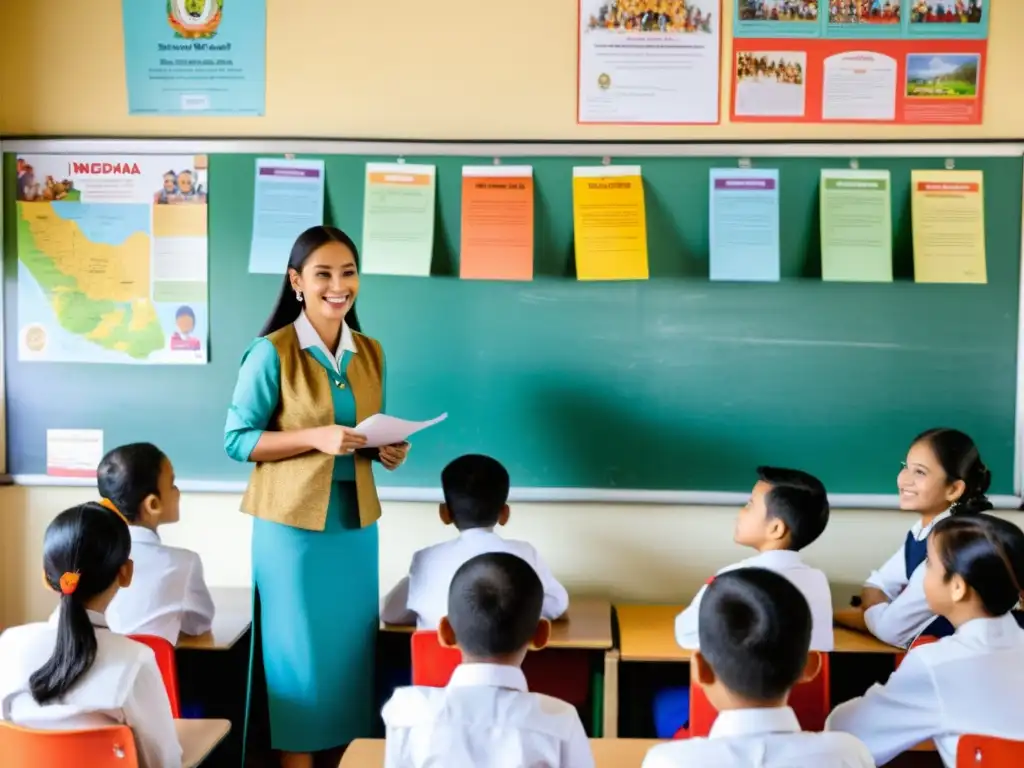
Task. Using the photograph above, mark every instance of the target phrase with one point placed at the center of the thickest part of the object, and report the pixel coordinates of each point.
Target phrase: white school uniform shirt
(122, 687)
(811, 582)
(423, 597)
(899, 622)
(485, 718)
(761, 738)
(971, 682)
(168, 594)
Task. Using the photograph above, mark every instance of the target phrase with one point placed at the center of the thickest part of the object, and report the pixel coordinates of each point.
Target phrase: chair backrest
(989, 752)
(810, 701)
(165, 660)
(432, 663)
(111, 747)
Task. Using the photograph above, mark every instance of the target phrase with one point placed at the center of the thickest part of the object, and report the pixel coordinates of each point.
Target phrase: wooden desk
(198, 739)
(852, 641)
(587, 625)
(232, 617)
(608, 753)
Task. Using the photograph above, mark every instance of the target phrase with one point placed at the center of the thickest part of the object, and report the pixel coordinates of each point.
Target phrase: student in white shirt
(486, 717)
(755, 632)
(943, 475)
(971, 682)
(73, 672)
(168, 595)
(787, 511)
(476, 492)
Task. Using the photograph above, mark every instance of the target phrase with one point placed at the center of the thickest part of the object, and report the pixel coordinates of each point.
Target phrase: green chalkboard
(673, 383)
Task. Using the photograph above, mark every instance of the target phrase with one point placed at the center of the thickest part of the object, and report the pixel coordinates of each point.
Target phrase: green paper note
(856, 226)
(398, 219)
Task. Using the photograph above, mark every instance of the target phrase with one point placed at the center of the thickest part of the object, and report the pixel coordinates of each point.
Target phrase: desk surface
(232, 617)
(608, 753)
(588, 624)
(198, 739)
(647, 633)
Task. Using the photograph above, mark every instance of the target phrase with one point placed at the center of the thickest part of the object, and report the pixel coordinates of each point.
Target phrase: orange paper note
(497, 223)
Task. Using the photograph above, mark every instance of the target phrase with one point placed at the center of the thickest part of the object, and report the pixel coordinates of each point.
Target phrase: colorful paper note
(949, 226)
(497, 223)
(744, 224)
(398, 219)
(856, 226)
(73, 452)
(289, 199)
(610, 223)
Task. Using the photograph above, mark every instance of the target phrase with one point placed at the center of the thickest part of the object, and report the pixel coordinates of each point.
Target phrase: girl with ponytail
(942, 476)
(73, 672)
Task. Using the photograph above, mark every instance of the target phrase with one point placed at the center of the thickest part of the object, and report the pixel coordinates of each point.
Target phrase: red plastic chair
(810, 701)
(432, 663)
(989, 752)
(112, 747)
(922, 640)
(168, 666)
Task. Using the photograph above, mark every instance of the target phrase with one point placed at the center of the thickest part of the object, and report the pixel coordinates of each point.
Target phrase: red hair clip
(69, 583)
(107, 503)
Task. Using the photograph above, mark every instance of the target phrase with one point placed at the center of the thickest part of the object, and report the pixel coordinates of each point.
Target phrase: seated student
(970, 682)
(755, 631)
(73, 672)
(168, 595)
(943, 475)
(788, 510)
(476, 500)
(486, 717)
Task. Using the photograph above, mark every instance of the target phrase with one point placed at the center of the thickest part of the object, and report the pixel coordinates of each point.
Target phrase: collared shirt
(900, 621)
(168, 594)
(811, 582)
(971, 682)
(485, 718)
(761, 738)
(123, 686)
(423, 596)
(310, 339)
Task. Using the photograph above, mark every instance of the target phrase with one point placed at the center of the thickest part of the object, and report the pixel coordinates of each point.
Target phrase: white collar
(996, 631)
(96, 618)
(310, 339)
(143, 535)
(488, 675)
(776, 559)
(754, 722)
(921, 531)
(471, 532)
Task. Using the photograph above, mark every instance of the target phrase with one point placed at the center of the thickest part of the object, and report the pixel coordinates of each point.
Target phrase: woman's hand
(337, 440)
(393, 456)
(852, 618)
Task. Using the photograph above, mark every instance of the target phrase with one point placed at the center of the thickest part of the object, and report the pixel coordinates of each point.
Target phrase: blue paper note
(744, 224)
(195, 57)
(289, 200)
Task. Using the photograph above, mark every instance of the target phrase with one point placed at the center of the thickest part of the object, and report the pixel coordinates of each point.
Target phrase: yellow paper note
(949, 226)
(611, 223)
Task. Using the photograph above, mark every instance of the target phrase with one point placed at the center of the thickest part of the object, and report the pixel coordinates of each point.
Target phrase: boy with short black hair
(787, 511)
(486, 715)
(755, 630)
(476, 492)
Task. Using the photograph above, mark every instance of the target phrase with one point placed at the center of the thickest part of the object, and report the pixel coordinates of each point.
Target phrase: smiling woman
(303, 386)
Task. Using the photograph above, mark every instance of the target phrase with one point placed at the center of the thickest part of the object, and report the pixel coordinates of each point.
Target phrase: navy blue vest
(914, 553)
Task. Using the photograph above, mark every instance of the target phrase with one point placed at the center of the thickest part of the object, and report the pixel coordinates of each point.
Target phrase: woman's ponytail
(73, 654)
(974, 501)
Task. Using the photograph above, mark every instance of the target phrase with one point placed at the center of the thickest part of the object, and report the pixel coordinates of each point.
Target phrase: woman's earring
(298, 296)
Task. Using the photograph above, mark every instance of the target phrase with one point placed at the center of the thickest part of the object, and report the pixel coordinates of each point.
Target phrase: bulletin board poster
(860, 61)
(653, 62)
(195, 57)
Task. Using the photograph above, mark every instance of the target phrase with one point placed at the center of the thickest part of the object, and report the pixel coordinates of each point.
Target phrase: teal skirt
(317, 626)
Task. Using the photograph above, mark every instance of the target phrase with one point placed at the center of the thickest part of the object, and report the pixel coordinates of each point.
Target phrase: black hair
(988, 553)
(755, 632)
(475, 491)
(288, 307)
(799, 500)
(91, 541)
(494, 604)
(960, 460)
(129, 475)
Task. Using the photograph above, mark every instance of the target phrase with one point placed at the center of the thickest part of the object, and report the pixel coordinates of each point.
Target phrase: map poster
(112, 259)
(195, 57)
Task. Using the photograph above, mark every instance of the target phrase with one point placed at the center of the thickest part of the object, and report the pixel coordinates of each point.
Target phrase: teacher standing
(303, 385)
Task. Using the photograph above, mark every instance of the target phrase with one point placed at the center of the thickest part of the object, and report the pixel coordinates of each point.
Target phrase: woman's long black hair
(93, 542)
(961, 460)
(288, 307)
(988, 553)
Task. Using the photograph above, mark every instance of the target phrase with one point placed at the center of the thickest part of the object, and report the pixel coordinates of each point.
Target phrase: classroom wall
(401, 69)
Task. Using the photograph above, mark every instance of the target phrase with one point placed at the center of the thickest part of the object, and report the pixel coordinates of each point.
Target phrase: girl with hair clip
(971, 682)
(943, 476)
(73, 672)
